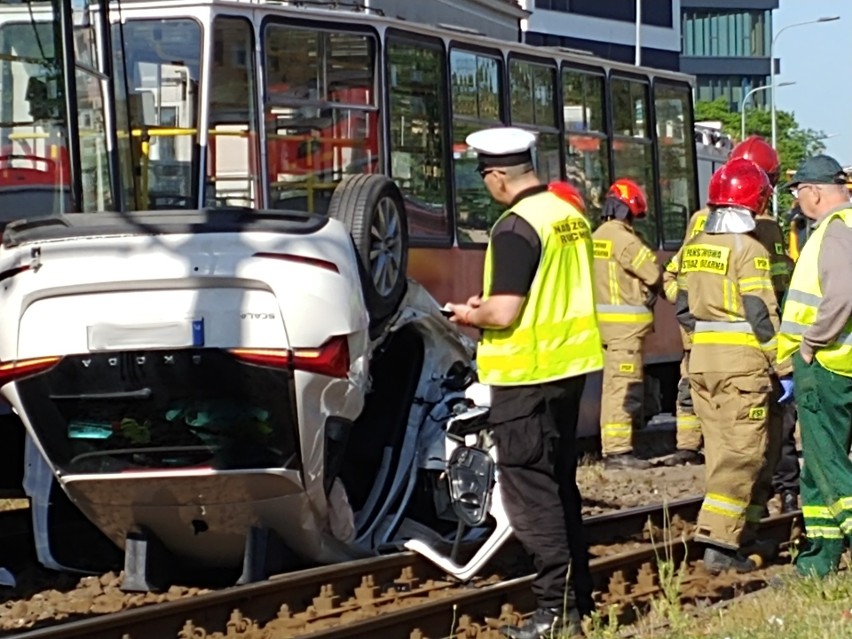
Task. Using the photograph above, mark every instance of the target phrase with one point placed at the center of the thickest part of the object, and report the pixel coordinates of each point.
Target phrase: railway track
(379, 591)
(402, 595)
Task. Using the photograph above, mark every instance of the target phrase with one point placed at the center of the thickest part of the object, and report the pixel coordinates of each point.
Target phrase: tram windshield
(37, 138)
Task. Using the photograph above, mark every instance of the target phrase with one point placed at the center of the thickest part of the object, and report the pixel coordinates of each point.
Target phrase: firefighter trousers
(537, 460)
(741, 447)
(688, 426)
(622, 396)
(824, 402)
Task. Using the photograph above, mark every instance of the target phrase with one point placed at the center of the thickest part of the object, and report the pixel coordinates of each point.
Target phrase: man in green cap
(816, 331)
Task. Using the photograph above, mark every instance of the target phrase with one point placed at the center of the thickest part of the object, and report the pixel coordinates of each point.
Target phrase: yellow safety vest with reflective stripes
(556, 333)
(803, 299)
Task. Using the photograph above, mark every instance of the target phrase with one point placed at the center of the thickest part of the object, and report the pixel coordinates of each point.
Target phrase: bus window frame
(441, 45)
(674, 245)
(327, 26)
(503, 96)
(650, 130)
(598, 72)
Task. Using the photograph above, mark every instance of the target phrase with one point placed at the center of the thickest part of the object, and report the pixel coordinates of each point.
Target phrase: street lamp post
(745, 99)
(772, 84)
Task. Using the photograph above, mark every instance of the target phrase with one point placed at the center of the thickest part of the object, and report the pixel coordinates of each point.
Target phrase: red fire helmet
(741, 183)
(631, 194)
(759, 151)
(569, 193)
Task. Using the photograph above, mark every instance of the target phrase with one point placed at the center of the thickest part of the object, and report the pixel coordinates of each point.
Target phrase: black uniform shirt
(516, 253)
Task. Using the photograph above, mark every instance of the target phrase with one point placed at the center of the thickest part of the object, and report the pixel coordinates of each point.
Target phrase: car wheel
(372, 208)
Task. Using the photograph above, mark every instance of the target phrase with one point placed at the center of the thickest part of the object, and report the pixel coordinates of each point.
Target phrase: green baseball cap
(819, 169)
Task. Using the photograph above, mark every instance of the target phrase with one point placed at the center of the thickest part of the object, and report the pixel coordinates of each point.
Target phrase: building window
(656, 13)
(708, 33)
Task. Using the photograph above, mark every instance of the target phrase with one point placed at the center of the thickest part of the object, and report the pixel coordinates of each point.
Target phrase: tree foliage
(794, 142)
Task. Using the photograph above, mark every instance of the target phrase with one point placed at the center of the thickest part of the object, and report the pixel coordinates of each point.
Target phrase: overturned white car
(229, 389)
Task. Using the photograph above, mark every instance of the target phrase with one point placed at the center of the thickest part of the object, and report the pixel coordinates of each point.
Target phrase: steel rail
(437, 618)
(262, 601)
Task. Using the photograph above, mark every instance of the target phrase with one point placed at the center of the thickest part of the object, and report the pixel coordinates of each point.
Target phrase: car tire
(372, 209)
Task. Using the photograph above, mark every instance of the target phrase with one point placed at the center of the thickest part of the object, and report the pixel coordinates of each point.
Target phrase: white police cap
(502, 146)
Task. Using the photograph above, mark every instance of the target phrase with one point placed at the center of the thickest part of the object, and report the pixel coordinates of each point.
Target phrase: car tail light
(301, 259)
(332, 358)
(12, 371)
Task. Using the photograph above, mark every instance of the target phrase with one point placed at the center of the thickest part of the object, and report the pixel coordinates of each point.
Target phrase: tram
(265, 105)
(217, 104)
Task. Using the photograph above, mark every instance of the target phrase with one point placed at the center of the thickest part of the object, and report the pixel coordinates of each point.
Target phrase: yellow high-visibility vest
(803, 299)
(556, 333)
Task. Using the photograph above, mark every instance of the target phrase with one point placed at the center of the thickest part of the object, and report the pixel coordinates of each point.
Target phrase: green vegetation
(795, 609)
(794, 142)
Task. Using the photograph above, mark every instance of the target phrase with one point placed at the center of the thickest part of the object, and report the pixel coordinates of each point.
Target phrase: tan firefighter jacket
(693, 227)
(768, 232)
(727, 303)
(627, 279)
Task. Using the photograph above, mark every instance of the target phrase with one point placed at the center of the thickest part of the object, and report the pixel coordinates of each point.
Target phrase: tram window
(533, 94)
(632, 159)
(321, 112)
(629, 108)
(676, 155)
(631, 146)
(161, 63)
(586, 143)
(417, 116)
(476, 81)
(34, 162)
(232, 175)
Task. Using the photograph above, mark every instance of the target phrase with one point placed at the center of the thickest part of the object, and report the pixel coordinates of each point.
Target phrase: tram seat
(27, 191)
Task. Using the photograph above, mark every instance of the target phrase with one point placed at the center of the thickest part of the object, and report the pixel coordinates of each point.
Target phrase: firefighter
(727, 304)
(768, 232)
(627, 282)
(815, 335)
(540, 339)
(688, 426)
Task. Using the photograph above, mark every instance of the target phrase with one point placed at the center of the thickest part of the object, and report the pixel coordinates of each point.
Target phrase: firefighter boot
(718, 560)
(546, 622)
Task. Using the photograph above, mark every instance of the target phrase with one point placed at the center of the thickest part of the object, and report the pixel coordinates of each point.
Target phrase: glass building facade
(725, 44)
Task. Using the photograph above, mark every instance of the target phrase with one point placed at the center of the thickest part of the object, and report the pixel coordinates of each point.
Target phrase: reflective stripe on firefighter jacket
(768, 232)
(672, 267)
(556, 333)
(625, 271)
(803, 299)
(718, 271)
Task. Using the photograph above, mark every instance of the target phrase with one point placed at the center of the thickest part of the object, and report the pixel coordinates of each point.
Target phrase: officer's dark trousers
(786, 478)
(538, 467)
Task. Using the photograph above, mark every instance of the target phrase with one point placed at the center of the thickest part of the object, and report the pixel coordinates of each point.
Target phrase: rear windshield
(147, 410)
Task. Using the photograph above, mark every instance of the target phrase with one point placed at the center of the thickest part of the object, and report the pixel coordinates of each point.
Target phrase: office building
(607, 28)
(726, 46)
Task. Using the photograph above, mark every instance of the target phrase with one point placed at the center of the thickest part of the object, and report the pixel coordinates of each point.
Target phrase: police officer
(815, 334)
(727, 303)
(540, 338)
(627, 282)
(688, 426)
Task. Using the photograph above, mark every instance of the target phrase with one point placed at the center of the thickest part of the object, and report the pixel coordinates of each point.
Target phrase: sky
(818, 58)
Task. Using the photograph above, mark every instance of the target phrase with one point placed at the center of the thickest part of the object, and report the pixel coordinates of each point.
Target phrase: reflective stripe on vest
(803, 300)
(624, 314)
(556, 333)
(729, 334)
